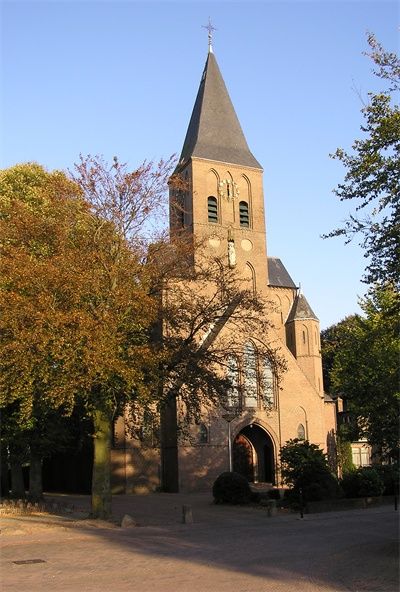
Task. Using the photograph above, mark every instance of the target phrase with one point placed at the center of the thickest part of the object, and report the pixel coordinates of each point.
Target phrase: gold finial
(210, 30)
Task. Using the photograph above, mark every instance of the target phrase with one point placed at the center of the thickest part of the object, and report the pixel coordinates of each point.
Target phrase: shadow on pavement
(226, 547)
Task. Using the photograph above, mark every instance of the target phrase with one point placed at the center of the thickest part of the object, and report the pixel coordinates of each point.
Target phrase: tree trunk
(5, 485)
(101, 485)
(17, 478)
(35, 478)
(169, 446)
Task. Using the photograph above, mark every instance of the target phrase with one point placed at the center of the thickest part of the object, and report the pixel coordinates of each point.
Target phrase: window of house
(360, 456)
(250, 375)
(301, 432)
(212, 206)
(244, 214)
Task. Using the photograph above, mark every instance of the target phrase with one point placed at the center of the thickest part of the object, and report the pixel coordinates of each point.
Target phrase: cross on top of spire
(210, 29)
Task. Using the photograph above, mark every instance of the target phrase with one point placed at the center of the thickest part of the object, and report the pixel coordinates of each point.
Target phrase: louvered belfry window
(212, 206)
(244, 214)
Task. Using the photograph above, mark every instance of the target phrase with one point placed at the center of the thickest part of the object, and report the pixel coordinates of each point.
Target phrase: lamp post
(230, 414)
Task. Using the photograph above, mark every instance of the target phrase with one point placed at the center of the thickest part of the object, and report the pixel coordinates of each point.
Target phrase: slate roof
(214, 131)
(301, 310)
(278, 275)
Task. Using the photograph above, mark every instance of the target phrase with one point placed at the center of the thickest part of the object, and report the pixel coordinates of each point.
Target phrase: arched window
(212, 206)
(244, 214)
(203, 433)
(268, 383)
(301, 432)
(250, 375)
(233, 376)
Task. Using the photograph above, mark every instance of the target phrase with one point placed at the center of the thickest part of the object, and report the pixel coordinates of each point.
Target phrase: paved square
(235, 549)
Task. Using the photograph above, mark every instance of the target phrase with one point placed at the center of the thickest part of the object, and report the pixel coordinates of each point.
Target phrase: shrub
(304, 466)
(231, 488)
(389, 475)
(364, 482)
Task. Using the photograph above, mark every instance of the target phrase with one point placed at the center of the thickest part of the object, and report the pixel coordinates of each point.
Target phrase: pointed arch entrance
(253, 454)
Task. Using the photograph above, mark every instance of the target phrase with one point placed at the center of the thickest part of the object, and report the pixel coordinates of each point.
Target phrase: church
(225, 207)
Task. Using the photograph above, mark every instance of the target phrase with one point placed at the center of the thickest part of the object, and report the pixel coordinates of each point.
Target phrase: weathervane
(210, 30)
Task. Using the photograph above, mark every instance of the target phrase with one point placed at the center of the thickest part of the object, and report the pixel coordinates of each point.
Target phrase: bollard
(187, 516)
(301, 503)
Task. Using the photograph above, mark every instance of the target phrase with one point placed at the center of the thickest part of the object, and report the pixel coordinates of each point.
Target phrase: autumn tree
(95, 310)
(373, 173)
(38, 346)
(126, 208)
(75, 308)
(197, 296)
(207, 313)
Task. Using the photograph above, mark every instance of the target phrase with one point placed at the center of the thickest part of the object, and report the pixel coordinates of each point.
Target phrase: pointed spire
(214, 131)
(301, 310)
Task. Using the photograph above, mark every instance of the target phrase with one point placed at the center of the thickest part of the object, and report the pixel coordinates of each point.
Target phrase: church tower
(221, 204)
(224, 202)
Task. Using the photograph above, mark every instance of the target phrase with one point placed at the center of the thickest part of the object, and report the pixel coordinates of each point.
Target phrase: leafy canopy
(373, 173)
(365, 369)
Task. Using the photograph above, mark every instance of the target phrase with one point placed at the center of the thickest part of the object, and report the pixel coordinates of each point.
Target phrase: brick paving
(235, 549)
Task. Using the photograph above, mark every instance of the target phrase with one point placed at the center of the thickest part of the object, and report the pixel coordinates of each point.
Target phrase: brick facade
(299, 408)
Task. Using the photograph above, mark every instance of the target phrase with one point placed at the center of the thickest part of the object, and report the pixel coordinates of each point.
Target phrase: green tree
(373, 173)
(304, 467)
(330, 344)
(365, 369)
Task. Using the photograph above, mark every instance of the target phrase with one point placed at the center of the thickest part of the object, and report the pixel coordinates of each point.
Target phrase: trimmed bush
(231, 488)
(364, 482)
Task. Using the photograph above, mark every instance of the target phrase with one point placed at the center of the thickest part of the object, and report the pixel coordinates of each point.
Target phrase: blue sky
(120, 78)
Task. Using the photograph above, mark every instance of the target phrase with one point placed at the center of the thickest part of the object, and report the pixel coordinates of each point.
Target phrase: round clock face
(246, 244)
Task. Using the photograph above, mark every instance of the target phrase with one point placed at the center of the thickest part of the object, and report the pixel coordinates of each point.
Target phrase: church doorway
(253, 455)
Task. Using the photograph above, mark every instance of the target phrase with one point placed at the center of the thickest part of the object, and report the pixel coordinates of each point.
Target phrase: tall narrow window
(268, 383)
(250, 375)
(212, 206)
(233, 377)
(244, 214)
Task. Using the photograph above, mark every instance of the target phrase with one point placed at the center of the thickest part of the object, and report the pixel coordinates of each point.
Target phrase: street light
(232, 411)
(229, 416)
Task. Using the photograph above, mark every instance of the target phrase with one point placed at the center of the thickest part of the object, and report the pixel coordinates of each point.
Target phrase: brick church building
(225, 207)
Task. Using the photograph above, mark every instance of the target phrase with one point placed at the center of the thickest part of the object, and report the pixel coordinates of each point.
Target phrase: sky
(120, 78)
